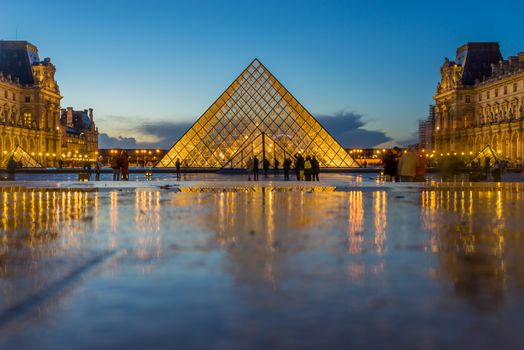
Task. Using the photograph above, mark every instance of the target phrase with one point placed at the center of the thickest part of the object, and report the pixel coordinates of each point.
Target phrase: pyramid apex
(256, 62)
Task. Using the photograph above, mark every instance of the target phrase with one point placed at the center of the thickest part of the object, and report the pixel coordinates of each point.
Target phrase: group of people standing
(405, 166)
(120, 166)
(307, 169)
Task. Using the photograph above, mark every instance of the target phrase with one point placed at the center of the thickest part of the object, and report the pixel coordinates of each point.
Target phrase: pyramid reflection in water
(255, 113)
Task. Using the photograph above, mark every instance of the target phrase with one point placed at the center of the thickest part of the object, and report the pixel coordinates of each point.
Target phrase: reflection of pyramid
(21, 157)
(487, 152)
(255, 103)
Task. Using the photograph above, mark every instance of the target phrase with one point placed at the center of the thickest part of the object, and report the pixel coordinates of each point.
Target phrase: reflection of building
(255, 116)
(30, 107)
(480, 102)
(425, 131)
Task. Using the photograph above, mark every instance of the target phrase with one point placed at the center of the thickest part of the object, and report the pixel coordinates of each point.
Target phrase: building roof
(477, 58)
(16, 59)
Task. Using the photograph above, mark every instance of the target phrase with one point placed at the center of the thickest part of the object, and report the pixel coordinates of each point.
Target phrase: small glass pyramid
(21, 157)
(480, 158)
(255, 107)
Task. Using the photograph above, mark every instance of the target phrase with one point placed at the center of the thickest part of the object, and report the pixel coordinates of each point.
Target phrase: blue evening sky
(161, 62)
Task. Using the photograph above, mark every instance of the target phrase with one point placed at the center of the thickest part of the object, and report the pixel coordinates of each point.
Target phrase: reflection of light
(380, 215)
(355, 222)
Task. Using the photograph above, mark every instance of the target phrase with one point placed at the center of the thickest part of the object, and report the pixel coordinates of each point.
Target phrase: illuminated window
(28, 118)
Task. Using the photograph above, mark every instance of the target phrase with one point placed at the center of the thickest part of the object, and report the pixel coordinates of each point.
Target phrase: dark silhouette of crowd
(306, 169)
(407, 166)
(120, 166)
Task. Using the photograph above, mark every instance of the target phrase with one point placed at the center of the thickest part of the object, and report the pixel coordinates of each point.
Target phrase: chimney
(91, 114)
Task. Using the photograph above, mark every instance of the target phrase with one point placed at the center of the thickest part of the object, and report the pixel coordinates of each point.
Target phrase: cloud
(166, 132)
(106, 141)
(347, 128)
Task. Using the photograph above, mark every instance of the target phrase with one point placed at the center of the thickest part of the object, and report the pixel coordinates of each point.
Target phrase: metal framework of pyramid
(21, 157)
(256, 110)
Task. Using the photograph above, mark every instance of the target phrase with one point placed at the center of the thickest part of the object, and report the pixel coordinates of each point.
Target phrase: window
(487, 94)
(505, 90)
(468, 99)
(14, 97)
(480, 96)
(514, 87)
(27, 99)
(496, 92)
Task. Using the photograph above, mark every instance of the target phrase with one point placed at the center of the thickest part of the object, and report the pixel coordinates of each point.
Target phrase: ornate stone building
(30, 115)
(480, 102)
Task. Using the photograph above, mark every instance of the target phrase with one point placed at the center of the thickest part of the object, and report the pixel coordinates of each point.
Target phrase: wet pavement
(194, 265)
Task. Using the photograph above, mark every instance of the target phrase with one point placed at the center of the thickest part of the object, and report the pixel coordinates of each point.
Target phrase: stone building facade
(479, 102)
(30, 114)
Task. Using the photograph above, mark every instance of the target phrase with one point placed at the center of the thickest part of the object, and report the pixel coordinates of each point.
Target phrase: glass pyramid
(21, 157)
(480, 158)
(256, 113)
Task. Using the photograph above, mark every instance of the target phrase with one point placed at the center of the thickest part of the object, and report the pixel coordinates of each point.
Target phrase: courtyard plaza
(218, 262)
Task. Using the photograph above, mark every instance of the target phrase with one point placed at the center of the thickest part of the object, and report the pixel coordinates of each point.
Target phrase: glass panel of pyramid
(21, 157)
(230, 131)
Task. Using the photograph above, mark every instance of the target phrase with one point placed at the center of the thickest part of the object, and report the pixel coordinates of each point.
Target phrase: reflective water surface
(391, 267)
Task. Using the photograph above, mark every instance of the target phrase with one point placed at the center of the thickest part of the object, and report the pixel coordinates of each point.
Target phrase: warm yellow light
(32, 153)
(499, 151)
(40, 154)
(54, 154)
(462, 153)
(47, 154)
(470, 152)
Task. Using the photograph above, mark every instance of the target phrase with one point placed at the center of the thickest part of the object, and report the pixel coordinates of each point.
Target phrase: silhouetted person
(124, 164)
(299, 166)
(249, 168)
(390, 166)
(98, 168)
(255, 169)
(407, 166)
(276, 164)
(287, 166)
(315, 168)
(11, 168)
(308, 168)
(487, 165)
(177, 166)
(265, 165)
(115, 165)
(496, 172)
(397, 152)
